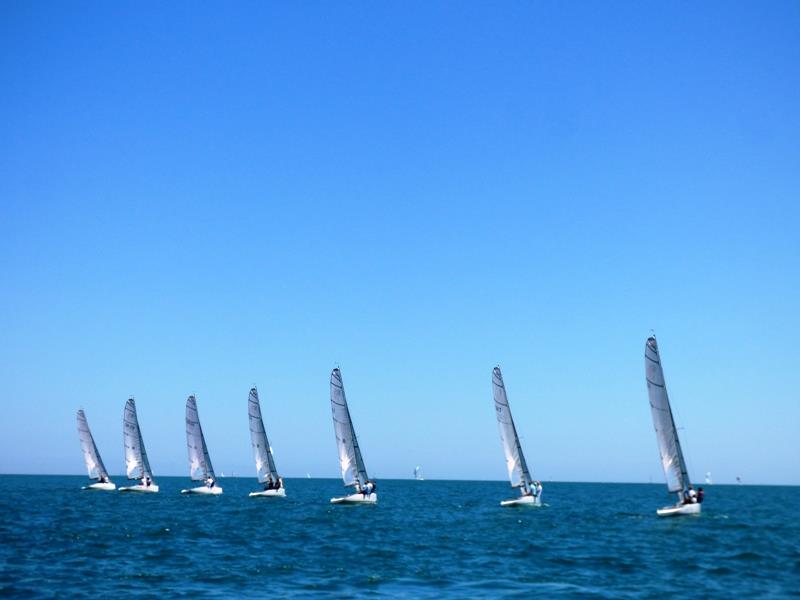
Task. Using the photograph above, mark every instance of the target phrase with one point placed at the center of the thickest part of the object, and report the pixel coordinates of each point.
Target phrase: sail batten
(262, 451)
(518, 472)
(669, 445)
(199, 459)
(350, 460)
(91, 455)
(137, 466)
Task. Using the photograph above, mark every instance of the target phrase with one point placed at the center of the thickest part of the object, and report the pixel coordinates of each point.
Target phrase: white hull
(144, 489)
(523, 501)
(204, 490)
(281, 493)
(683, 509)
(356, 499)
(107, 487)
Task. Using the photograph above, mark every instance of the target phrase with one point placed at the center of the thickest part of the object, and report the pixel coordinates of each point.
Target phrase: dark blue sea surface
(423, 539)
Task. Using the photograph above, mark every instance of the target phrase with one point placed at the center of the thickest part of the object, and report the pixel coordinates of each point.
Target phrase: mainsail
(667, 435)
(199, 460)
(353, 469)
(265, 464)
(94, 464)
(518, 471)
(136, 464)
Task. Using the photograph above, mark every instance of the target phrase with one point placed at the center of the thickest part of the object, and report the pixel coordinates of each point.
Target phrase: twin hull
(356, 498)
(681, 509)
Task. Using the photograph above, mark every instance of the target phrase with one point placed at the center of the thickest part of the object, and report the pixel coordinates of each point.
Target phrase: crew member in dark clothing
(700, 495)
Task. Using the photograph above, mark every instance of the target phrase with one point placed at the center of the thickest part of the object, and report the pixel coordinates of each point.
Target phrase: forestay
(515, 460)
(667, 435)
(199, 460)
(265, 464)
(136, 464)
(353, 470)
(91, 455)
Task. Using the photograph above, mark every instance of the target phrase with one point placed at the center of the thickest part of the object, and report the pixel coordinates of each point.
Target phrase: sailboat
(136, 464)
(91, 456)
(354, 473)
(265, 463)
(200, 467)
(418, 473)
(518, 472)
(669, 445)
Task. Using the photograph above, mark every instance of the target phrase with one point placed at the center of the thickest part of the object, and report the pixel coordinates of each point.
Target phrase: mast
(91, 455)
(199, 459)
(137, 466)
(350, 459)
(669, 444)
(518, 471)
(262, 451)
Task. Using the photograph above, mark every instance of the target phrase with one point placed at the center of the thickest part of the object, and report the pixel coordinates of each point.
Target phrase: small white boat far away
(200, 468)
(669, 446)
(418, 473)
(354, 473)
(91, 456)
(518, 472)
(265, 463)
(136, 464)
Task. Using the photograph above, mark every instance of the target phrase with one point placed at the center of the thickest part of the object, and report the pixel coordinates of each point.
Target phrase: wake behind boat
(518, 473)
(354, 473)
(669, 445)
(262, 451)
(137, 466)
(199, 461)
(91, 456)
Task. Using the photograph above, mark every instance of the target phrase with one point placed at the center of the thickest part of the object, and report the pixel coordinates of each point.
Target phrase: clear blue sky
(196, 198)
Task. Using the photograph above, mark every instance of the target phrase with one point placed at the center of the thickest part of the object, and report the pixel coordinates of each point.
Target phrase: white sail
(666, 433)
(199, 460)
(136, 464)
(262, 451)
(353, 470)
(515, 460)
(91, 455)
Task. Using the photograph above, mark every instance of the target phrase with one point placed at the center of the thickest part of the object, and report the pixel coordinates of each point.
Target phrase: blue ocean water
(423, 539)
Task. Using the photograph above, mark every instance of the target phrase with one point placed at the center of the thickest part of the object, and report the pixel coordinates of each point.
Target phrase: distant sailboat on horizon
(91, 456)
(262, 451)
(354, 473)
(418, 473)
(669, 445)
(137, 466)
(518, 472)
(200, 468)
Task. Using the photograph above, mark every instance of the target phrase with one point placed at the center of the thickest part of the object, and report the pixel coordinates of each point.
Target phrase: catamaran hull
(675, 511)
(204, 491)
(356, 499)
(143, 489)
(106, 487)
(281, 493)
(523, 501)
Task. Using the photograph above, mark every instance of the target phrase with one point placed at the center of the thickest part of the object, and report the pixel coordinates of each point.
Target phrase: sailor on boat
(690, 496)
(210, 482)
(369, 487)
(700, 495)
(147, 481)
